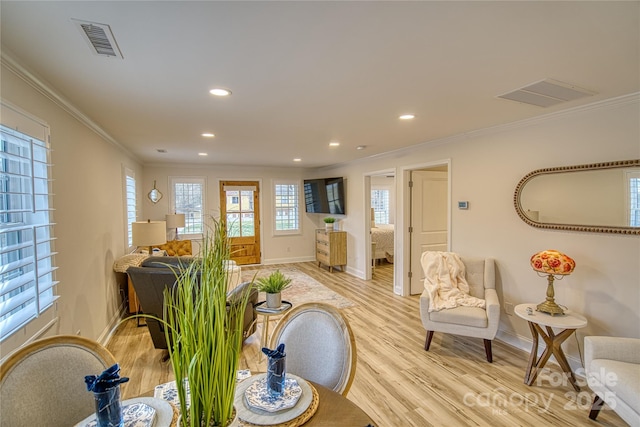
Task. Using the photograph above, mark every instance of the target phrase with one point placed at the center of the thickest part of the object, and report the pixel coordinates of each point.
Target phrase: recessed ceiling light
(220, 92)
(407, 117)
(208, 135)
(203, 154)
(361, 147)
(297, 160)
(334, 144)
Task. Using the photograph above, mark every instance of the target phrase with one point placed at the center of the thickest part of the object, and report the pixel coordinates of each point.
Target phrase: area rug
(303, 288)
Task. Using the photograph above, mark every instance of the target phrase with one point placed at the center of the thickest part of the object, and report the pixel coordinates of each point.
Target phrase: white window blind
(287, 208)
(380, 205)
(188, 198)
(27, 267)
(130, 194)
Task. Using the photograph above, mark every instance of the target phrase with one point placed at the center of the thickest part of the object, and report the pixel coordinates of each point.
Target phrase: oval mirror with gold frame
(598, 197)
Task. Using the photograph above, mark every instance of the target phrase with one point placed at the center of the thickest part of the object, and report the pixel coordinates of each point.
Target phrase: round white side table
(568, 322)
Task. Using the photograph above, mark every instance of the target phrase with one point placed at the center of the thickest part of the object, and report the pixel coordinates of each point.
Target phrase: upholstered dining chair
(319, 345)
(467, 321)
(42, 383)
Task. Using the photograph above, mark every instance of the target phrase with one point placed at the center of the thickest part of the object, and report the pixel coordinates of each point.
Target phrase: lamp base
(550, 307)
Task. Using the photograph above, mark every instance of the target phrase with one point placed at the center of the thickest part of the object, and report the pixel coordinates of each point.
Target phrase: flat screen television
(324, 195)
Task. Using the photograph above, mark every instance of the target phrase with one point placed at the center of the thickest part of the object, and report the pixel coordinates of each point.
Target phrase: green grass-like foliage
(273, 283)
(329, 220)
(204, 335)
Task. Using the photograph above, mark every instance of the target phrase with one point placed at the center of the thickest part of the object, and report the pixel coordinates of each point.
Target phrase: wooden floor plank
(397, 382)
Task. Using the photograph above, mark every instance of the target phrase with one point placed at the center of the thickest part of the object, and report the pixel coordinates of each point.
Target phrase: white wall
(275, 248)
(89, 216)
(486, 166)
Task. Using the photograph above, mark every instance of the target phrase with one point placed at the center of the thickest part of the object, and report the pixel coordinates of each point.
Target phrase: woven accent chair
(319, 344)
(42, 383)
(612, 366)
(468, 321)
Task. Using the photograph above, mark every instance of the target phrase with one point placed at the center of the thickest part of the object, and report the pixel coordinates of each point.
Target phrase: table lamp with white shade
(175, 221)
(149, 233)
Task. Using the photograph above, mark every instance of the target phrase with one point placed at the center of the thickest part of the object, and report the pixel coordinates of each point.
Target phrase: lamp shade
(552, 262)
(149, 233)
(175, 220)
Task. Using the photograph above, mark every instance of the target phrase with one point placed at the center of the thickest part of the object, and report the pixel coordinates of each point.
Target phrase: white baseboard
(287, 260)
(111, 327)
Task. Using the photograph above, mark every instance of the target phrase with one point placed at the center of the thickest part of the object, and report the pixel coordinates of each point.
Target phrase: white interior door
(429, 209)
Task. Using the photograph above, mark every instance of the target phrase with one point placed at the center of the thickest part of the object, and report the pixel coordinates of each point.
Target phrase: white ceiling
(306, 73)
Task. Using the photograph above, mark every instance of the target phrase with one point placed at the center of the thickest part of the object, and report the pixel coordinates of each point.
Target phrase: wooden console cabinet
(331, 248)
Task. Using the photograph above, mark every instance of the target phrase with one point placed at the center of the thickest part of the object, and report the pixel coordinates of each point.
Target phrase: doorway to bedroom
(382, 204)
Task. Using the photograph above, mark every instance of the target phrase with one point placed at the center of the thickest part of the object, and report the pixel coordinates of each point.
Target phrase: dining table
(333, 410)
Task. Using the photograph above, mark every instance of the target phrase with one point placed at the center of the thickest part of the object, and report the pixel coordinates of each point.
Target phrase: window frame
(388, 211)
(27, 220)
(298, 210)
(173, 180)
(128, 198)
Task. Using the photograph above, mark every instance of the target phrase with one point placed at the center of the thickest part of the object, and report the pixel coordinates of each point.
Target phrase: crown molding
(45, 89)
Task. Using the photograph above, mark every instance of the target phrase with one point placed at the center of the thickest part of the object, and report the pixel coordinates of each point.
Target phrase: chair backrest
(480, 275)
(42, 383)
(319, 345)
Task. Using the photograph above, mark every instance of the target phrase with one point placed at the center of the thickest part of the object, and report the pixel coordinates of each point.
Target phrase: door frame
(402, 282)
(368, 270)
(259, 228)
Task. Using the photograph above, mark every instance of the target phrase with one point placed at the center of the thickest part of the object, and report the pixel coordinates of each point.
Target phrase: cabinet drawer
(322, 257)
(322, 237)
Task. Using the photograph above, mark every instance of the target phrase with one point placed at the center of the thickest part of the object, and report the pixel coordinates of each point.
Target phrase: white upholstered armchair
(467, 321)
(612, 367)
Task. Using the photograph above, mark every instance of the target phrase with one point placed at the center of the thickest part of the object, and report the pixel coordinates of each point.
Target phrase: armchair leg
(595, 408)
(487, 350)
(427, 343)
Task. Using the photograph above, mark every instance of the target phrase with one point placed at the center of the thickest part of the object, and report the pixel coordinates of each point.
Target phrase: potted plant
(328, 222)
(273, 285)
(204, 335)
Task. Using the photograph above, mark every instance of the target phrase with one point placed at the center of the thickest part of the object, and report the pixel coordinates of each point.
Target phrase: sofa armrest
(612, 348)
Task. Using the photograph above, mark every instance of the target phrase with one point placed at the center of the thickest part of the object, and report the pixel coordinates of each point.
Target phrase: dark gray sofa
(154, 275)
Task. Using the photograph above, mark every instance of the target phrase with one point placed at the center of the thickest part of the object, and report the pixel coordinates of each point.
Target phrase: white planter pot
(274, 300)
(328, 226)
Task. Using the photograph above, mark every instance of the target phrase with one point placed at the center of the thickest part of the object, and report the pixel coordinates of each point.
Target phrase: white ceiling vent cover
(546, 93)
(100, 38)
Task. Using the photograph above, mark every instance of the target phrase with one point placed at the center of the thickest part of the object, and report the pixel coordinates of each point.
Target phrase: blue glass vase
(275, 375)
(109, 407)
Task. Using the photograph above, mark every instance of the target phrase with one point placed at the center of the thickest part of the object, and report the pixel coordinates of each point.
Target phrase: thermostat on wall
(463, 205)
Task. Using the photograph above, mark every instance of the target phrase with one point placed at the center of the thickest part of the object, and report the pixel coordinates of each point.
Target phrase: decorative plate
(258, 397)
(134, 415)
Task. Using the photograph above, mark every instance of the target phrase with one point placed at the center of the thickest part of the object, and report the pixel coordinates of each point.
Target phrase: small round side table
(262, 309)
(568, 322)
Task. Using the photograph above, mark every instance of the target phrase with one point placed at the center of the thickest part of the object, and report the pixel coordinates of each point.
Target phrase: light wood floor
(398, 383)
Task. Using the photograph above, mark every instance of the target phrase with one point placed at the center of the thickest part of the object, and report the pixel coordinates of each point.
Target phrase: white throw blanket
(445, 281)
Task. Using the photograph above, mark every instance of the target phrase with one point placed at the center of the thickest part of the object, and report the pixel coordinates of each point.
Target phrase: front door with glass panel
(240, 207)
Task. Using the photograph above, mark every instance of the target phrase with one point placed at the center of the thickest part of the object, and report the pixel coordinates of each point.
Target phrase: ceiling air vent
(100, 38)
(547, 93)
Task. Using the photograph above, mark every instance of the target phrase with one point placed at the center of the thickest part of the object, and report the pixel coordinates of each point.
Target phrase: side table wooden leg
(562, 359)
(534, 354)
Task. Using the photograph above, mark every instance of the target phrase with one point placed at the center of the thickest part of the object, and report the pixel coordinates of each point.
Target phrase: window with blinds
(188, 198)
(380, 205)
(130, 194)
(287, 208)
(27, 271)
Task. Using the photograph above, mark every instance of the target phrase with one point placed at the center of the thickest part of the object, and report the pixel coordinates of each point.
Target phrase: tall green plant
(204, 335)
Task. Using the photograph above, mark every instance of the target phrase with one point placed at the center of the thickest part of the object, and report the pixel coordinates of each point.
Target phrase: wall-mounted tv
(325, 195)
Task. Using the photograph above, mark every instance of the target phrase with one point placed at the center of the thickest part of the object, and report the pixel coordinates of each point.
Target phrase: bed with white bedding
(383, 236)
